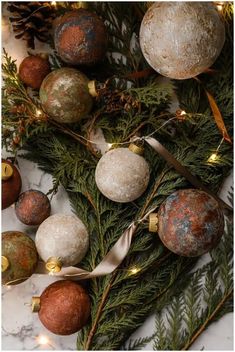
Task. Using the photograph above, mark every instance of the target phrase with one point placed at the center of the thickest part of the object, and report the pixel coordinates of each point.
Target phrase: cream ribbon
(108, 264)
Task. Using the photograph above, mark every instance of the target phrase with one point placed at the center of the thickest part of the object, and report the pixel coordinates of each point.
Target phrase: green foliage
(207, 297)
(122, 300)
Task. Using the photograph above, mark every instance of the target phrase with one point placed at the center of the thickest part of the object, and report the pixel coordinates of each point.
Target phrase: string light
(53, 3)
(38, 112)
(219, 5)
(134, 270)
(42, 340)
(214, 156)
(110, 145)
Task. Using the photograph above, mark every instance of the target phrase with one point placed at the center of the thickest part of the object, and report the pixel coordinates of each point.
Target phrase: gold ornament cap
(53, 265)
(92, 88)
(153, 222)
(136, 149)
(35, 304)
(5, 263)
(7, 171)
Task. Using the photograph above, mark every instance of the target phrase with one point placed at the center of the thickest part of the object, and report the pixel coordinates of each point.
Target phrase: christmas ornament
(122, 175)
(11, 184)
(189, 222)
(80, 38)
(66, 95)
(180, 40)
(19, 257)
(33, 69)
(32, 207)
(61, 240)
(63, 307)
(31, 20)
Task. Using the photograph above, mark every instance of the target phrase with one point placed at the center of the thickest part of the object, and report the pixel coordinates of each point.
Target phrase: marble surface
(21, 329)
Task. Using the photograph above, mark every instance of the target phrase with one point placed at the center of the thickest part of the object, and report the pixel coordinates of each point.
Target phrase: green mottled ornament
(19, 257)
(66, 95)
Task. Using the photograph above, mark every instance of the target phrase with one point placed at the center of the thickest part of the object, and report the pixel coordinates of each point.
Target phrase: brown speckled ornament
(32, 207)
(121, 175)
(19, 256)
(64, 307)
(181, 39)
(190, 222)
(80, 38)
(11, 186)
(65, 96)
(33, 70)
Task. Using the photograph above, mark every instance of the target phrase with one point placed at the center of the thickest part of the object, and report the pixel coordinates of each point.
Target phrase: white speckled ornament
(181, 39)
(121, 175)
(62, 236)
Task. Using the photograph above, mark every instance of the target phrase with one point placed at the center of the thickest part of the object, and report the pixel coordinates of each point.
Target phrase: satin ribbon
(108, 264)
(182, 170)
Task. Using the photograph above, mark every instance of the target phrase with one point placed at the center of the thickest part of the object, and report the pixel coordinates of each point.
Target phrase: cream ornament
(61, 240)
(181, 39)
(122, 175)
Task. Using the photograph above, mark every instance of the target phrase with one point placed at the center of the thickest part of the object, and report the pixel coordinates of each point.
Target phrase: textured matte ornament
(32, 207)
(80, 38)
(64, 237)
(190, 222)
(33, 70)
(20, 252)
(181, 39)
(64, 307)
(65, 96)
(11, 184)
(121, 175)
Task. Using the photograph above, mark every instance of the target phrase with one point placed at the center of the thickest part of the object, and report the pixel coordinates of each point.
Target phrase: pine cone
(32, 20)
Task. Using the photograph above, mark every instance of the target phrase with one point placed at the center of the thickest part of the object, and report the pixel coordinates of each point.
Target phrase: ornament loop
(53, 265)
(35, 304)
(153, 222)
(7, 171)
(5, 263)
(137, 149)
(92, 88)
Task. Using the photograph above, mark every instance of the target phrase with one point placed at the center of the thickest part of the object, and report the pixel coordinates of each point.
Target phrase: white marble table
(22, 330)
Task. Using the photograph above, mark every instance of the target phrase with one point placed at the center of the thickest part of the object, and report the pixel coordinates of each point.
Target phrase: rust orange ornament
(63, 307)
(11, 183)
(33, 69)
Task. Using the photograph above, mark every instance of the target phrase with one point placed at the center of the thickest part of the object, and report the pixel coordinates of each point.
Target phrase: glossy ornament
(180, 39)
(32, 207)
(80, 38)
(11, 183)
(19, 257)
(61, 240)
(122, 175)
(63, 307)
(65, 95)
(33, 69)
(190, 222)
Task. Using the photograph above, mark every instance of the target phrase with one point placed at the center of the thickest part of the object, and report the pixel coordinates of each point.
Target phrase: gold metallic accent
(53, 265)
(153, 222)
(35, 304)
(92, 88)
(7, 171)
(79, 5)
(5, 263)
(136, 149)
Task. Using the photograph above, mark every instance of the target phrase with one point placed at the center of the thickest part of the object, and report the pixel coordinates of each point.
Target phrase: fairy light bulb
(213, 158)
(53, 3)
(219, 6)
(134, 270)
(38, 112)
(110, 145)
(42, 340)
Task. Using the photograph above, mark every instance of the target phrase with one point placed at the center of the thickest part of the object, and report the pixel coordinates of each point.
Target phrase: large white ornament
(63, 237)
(181, 39)
(122, 175)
